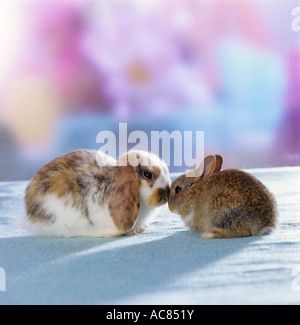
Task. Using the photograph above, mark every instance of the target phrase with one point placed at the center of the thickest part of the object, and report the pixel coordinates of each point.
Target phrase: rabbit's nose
(167, 194)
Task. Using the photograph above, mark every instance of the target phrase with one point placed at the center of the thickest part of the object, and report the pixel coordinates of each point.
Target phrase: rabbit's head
(181, 192)
(153, 176)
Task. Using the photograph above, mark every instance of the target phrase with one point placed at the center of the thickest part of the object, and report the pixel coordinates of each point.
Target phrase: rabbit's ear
(212, 164)
(124, 199)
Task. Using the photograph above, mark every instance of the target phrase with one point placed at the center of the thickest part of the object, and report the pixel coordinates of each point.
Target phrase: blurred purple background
(70, 69)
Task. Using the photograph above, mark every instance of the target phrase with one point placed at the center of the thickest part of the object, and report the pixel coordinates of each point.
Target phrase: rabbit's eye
(178, 189)
(147, 174)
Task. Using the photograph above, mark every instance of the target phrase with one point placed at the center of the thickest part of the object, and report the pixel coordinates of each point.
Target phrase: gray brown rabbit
(223, 204)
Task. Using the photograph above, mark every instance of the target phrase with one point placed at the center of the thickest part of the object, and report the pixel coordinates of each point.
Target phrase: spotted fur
(87, 193)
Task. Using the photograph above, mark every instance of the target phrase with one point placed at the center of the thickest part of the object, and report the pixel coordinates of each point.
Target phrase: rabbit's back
(67, 195)
(236, 201)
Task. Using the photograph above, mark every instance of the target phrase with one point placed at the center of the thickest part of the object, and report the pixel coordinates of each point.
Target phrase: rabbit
(226, 204)
(88, 193)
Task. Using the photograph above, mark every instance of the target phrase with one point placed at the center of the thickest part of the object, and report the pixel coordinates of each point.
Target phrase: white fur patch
(187, 220)
(145, 217)
(69, 221)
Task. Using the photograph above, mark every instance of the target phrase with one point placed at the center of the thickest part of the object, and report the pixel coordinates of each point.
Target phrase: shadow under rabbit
(104, 270)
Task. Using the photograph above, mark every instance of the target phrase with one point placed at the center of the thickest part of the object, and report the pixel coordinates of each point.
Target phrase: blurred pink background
(69, 69)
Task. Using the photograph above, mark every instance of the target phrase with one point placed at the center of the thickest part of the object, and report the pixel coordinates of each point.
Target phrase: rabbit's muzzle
(159, 196)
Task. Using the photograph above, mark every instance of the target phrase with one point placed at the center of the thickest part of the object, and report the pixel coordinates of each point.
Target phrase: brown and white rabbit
(225, 204)
(87, 193)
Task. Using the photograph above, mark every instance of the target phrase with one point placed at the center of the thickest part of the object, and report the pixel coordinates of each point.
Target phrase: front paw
(208, 235)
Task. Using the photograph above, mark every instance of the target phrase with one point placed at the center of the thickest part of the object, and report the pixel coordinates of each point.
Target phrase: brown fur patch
(156, 171)
(123, 201)
(35, 210)
(70, 177)
(159, 196)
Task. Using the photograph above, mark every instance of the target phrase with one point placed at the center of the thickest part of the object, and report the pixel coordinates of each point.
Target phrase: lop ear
(124, 199)
(212, 164)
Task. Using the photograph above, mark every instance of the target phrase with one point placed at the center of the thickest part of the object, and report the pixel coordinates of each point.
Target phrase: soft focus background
(70, 69)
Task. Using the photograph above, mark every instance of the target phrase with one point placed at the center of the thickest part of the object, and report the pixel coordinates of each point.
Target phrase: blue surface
(167, 264)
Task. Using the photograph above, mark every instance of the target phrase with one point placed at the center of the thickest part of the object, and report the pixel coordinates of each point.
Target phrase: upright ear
(212, 164)
(124, 198)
